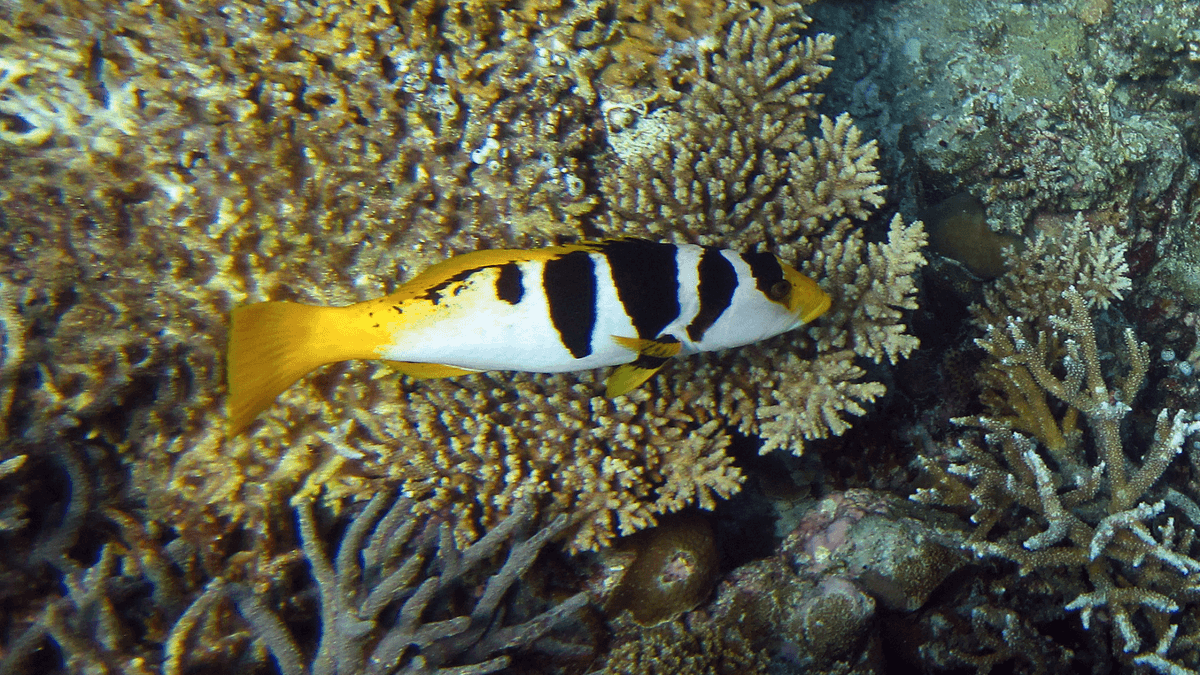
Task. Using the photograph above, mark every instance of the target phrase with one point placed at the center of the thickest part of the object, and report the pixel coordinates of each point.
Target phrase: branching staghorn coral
(1073, 254)
(109, 616)
(325, 154)
(83, 623)
(386, 598)
(396, 597)
(1080, 251)
(1055, 487)
(998, 638)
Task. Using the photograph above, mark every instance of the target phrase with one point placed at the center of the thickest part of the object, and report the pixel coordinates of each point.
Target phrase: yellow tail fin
(273, 344)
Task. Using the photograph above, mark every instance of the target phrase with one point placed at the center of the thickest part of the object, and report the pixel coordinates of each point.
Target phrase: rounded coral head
(671, 572)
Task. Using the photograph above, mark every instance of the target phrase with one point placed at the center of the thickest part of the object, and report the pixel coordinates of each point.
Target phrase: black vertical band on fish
(570, 284)
(646, 276)
(718, 281)
(509, 285)
(766, 270)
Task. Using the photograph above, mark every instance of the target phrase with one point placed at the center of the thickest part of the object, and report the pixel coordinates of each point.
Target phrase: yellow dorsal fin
(443, 271)
(273, 344)
(652, 355)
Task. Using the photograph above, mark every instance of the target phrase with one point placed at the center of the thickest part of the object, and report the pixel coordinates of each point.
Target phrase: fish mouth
(816, 310)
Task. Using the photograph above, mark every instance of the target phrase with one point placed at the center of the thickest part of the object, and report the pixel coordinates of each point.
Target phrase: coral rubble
(1081, 105)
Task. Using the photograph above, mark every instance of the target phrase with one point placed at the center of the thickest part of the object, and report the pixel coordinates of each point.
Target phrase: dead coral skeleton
(384, 598)
(12, 349)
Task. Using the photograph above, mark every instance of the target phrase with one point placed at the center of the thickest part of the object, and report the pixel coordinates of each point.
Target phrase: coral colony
(985, 455)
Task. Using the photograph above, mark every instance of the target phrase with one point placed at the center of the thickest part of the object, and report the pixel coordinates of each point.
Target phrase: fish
(630, 303)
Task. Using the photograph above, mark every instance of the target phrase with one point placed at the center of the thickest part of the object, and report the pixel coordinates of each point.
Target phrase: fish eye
(779, 291)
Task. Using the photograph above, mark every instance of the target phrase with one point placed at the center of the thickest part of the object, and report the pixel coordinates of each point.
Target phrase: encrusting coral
(1054, 485)
(162, 164)
(694, 645)
(815, 605)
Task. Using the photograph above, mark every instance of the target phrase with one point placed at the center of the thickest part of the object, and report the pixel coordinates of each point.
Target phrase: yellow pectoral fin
(663, 348)
(626, 378)
(652, 355)
(428, 371)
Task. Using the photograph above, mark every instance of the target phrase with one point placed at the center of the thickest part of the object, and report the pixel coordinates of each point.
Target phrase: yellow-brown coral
(695, 646)
(164, 163)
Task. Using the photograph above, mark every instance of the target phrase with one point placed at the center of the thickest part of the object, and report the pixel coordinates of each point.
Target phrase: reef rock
(854, 555)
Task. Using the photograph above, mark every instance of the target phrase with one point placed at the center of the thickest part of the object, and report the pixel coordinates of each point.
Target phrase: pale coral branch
(1107, 528)
(1057, 518)
(1083, 387)
(176, 646)
(12, 350)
